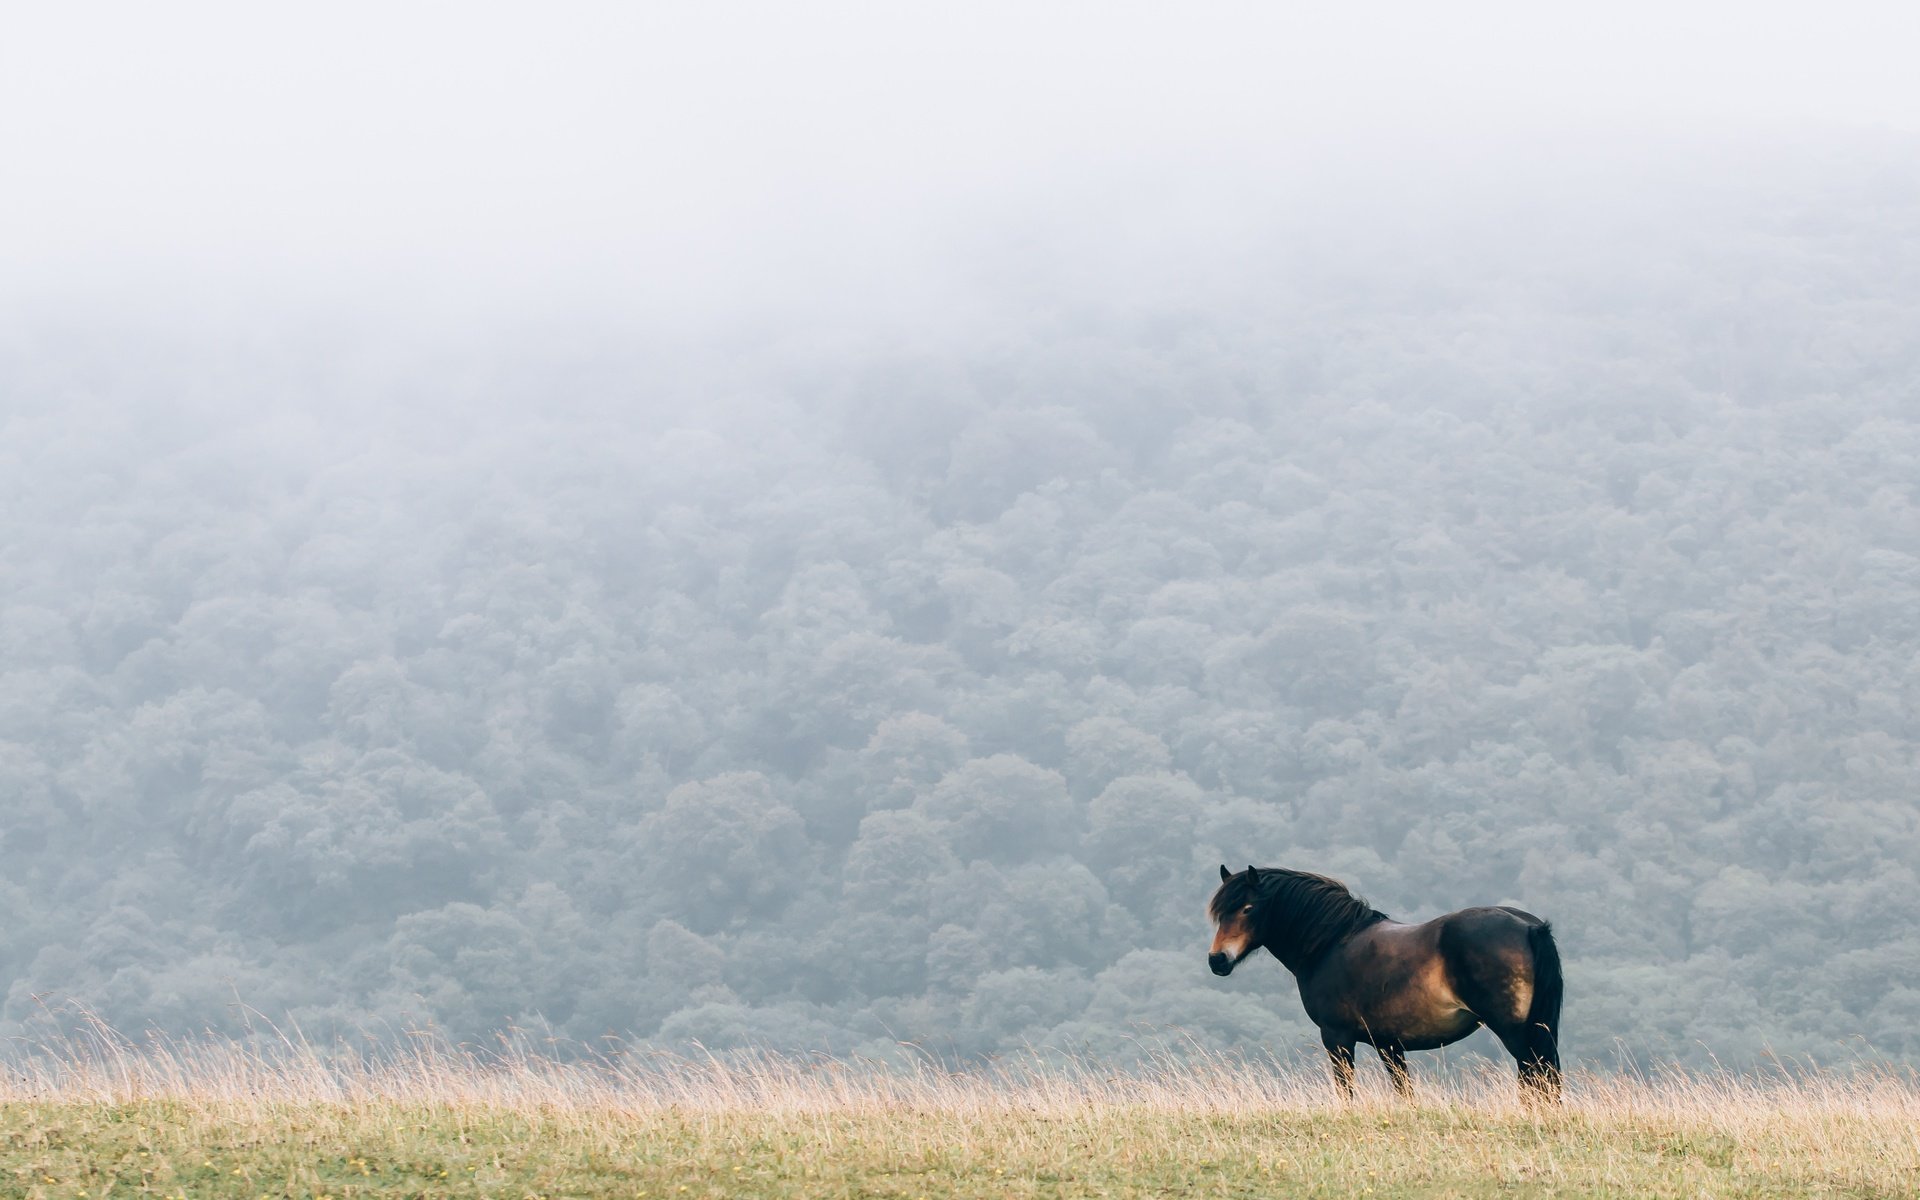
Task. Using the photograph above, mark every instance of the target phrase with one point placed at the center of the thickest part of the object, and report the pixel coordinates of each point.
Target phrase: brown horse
(1398, 987)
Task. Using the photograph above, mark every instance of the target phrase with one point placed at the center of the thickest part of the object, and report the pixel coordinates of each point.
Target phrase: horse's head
(1235, 929)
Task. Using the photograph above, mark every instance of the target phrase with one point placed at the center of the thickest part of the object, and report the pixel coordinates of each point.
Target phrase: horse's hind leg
(1537, 1051)
(1540, 1069)
(1396, 1061)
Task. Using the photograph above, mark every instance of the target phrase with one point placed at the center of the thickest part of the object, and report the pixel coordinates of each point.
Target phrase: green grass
(238, 1127)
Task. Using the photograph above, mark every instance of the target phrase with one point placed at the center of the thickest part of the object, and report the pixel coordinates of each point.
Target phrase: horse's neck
(1303, 959)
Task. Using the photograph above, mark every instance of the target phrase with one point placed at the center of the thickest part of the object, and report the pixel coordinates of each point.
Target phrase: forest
(902, 692)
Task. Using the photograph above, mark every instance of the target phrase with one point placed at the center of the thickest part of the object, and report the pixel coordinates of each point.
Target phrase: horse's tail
(1543, 1016)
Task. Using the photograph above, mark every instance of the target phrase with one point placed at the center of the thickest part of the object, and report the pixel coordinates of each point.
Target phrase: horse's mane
(1298, 915)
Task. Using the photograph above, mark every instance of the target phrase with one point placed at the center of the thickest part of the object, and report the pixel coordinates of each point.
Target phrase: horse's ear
(1224, 873)
(1249, 868)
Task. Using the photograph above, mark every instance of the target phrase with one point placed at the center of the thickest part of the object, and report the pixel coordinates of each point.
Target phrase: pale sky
(713, 155)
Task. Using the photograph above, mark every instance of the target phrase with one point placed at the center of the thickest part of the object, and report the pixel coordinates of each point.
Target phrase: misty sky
(674, 163)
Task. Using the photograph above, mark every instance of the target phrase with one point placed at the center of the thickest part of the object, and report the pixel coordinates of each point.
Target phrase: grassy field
(216, 1122)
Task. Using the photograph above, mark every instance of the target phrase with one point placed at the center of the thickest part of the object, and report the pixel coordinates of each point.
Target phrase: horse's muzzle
(1220, 964)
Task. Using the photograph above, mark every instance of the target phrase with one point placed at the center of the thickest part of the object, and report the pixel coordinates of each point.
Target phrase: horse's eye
(1246, 910)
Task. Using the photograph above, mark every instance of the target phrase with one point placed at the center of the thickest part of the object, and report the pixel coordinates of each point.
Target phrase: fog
(821, 529)
(709, 162)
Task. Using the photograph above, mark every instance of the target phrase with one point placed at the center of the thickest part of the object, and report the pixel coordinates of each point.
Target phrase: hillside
(793, 688)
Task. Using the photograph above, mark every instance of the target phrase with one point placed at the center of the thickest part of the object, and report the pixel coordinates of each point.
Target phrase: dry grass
(98, 1117)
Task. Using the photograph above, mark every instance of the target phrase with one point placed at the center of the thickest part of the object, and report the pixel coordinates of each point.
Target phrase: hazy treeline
(828, 693)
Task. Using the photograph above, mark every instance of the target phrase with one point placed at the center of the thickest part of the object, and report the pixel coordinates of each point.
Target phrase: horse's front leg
(1340, 1051)
(1396, 1062)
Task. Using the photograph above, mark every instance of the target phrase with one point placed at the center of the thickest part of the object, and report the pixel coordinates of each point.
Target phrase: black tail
(1541, 1067)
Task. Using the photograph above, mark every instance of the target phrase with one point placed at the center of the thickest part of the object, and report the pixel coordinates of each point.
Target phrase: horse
(1367, 978)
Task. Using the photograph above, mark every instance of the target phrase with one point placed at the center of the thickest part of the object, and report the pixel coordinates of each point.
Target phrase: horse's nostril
(1220, 963)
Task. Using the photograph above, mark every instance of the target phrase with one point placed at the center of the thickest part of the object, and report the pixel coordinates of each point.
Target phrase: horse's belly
(1420, 1011)
(1437, 1029)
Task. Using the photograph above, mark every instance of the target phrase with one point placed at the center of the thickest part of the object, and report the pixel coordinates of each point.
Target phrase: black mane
(1297, 914)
